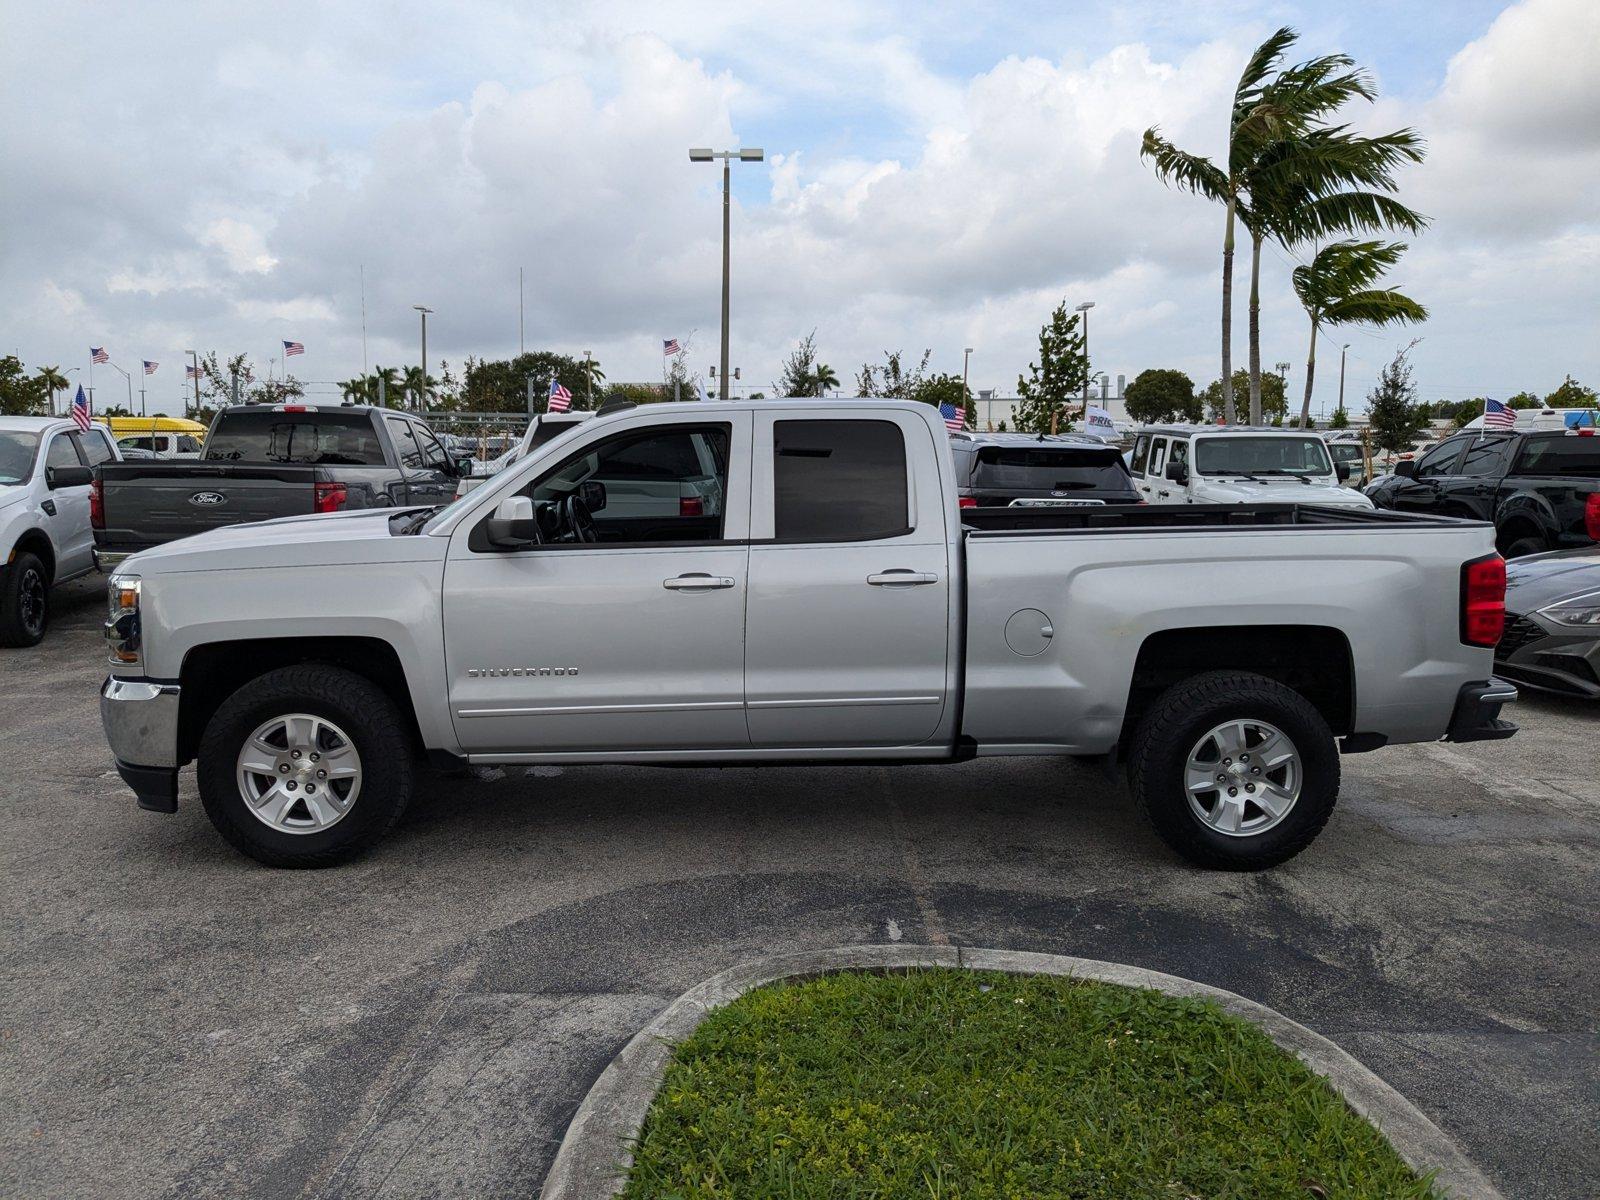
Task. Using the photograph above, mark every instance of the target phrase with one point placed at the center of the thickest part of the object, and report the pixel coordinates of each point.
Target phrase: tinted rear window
(331, 439)
(839, 480)
(1561, 454)
(1051, 469)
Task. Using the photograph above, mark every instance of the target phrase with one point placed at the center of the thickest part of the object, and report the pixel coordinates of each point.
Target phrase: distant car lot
(422, 1022)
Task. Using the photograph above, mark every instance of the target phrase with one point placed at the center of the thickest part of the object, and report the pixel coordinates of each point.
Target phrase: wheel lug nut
(1255, 770)
(1233, 791)
(1244, 758)
(322, 774)
(1249, 787)
(291, 785)
(1227, 762)
(294, 754)
(283, 768)
(311, 789)
(1222, 778)
(315, 756)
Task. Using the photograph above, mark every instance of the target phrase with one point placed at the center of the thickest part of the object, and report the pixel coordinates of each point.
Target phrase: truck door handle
(1163, 493)
(697, 582)
(900, 577)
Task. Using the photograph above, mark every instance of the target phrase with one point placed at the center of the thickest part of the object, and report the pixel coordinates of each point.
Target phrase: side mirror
(464, 465)
(594, 494)
(513, 525)
(60, 477)
(1405, 468)
(1177, 472)
(1342, 470)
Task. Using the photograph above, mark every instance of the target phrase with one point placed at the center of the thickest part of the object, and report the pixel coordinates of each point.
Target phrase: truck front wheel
(305, 766)
(24, 601)
(1235, 771)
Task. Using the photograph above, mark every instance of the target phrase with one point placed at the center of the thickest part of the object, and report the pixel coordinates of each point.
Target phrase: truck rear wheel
(1236, 771)
(24, 601)
(306, 766)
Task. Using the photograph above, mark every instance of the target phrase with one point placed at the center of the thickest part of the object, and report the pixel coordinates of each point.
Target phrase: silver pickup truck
(826, 600)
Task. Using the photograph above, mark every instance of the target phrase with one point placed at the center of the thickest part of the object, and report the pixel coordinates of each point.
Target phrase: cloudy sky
(939, 175)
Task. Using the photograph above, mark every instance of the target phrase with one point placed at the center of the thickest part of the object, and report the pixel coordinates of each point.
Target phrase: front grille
(1519, 632)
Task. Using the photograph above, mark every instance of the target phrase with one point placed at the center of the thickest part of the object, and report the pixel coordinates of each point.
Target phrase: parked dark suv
(996, 470)
(1541, 489)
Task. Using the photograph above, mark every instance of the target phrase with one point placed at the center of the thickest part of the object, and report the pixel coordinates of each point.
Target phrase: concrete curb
(597, 1149)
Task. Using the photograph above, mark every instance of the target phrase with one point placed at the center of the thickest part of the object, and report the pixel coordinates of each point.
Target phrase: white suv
(46, 468)
(1214, 464)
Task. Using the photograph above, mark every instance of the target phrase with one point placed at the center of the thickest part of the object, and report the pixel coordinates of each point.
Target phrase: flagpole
(363, 319)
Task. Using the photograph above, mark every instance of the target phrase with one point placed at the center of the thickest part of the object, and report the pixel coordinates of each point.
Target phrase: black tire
(24, 601)
(1523, 546)
(1180, 717)
(376, 729)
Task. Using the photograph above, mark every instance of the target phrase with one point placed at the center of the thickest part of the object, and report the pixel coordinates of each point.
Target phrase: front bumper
(140, 717)
(1477, 713)
(1551, 657)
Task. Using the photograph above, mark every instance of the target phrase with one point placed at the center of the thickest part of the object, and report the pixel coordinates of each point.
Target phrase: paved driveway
(175, 1019)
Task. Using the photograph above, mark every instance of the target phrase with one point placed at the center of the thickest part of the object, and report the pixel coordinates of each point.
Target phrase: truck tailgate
(146, 504)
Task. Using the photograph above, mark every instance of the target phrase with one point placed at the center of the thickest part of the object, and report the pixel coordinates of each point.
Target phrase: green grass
(941, 1084)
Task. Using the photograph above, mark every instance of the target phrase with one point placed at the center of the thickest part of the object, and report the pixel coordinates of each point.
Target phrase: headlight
(1580, 610)
(122, 624)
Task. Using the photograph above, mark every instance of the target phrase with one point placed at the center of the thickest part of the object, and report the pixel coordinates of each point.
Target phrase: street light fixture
(424, 311)
(966, 396)
(1084, 309)
(744, 154)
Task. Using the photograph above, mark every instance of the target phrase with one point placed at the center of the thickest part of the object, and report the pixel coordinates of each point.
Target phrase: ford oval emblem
(206, 499)
(1058, 493)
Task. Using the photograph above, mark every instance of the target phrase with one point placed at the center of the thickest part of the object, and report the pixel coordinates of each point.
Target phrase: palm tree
(1315, 181)
(419, 386)
(51, 380)
(357, 390)
(1335, 288)
(391, 386)
(823, 378)
(1253, 122)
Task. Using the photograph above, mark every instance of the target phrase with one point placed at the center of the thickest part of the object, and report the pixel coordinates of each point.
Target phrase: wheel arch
(36, 542)
(213, 671)
(1313, 660)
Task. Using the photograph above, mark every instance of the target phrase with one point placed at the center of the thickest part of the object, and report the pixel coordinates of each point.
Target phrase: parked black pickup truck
(266, 461)
(1540, 489)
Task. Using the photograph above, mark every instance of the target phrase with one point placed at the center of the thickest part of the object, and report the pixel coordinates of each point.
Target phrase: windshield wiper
(1292, 474)
(411, 522)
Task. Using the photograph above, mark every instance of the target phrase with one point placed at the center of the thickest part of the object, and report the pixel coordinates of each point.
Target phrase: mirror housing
(464, 466)
(1406, 468)
(593, 493)
(513, 526)
(1177, 472)
(1342, 470)
(60, 477)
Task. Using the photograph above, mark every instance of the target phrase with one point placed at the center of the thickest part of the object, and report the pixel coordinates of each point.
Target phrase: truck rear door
(848, 616)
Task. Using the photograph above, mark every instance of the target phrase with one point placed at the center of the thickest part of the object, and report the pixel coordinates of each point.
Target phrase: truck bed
(1132, 518)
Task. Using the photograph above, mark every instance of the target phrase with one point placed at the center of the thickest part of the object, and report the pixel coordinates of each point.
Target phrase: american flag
(954, 420)
(290, 349)
(1498, 416)
(80, 410)
(560, 398)
(191, 372)
(98, 354)
(150, 367)
(670, 346)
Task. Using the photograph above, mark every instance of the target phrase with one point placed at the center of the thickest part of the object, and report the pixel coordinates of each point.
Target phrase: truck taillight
(97, 504)
(330, 497)
(691, 506)
(967, 502)
(1591, 516)
(1483, 600)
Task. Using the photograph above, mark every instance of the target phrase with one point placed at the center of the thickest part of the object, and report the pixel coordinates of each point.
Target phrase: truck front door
(632, 641)
(849, 614)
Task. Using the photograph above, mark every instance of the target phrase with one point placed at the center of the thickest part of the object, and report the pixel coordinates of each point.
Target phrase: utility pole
(588, 379)
(424, 311)
(1084, 309)
(1342, 349)
(194, 360)
(745, 154)
(966, 396)
(522, 347)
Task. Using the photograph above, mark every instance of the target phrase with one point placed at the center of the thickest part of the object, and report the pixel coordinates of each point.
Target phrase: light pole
(588, 379)
(745, 154)
(1342, 349)
(966, 396)
(195, 362)
(1084, 309)
(424, 311)
(1283, 378)
(129, 378)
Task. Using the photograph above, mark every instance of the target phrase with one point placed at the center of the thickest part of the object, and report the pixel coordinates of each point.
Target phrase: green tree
(1162, 394)
(892, 379)
(1335, 288)
(20, 396)
(1055, 383)
(634, 393)
(51, 381)
(1340, 419)
(419, 388)
(502, 385)
(359, 389)
(1571, 394)
(1523, 400)
(1274, 404)
(823, 378)
(1254, 119)
(798, 377)
(948, 389)
(1394, 416)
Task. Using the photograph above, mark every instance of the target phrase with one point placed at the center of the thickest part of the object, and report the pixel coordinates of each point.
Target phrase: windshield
(1050, 468)
(1230, 455)
(273, 437)
(17, 449)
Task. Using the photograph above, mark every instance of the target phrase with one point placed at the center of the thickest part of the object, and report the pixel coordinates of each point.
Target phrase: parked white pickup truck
(838, 606)
(1210, 464)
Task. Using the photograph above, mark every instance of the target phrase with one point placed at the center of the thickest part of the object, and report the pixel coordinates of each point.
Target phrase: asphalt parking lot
(177, 1020)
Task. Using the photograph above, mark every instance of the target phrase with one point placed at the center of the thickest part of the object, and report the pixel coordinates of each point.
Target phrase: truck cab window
(1487, 457)
(61, 452)
(95, 447)
(1141, 455)
(839, 480)
(1441, 459)
(661, 485)
(405, 443)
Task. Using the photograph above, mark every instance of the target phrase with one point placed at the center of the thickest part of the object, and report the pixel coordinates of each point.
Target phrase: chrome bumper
(141, 724)
(109, 560)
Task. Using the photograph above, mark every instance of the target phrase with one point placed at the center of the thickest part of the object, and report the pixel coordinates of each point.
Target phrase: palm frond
(1384, 306)
(1349, 212)
(1262, 63)
(1178, 168)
